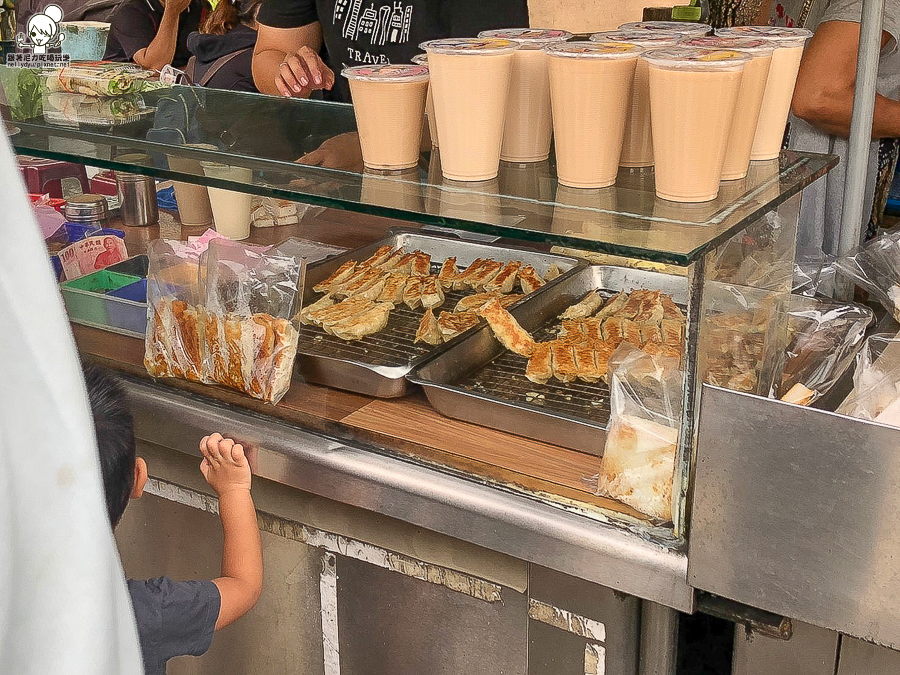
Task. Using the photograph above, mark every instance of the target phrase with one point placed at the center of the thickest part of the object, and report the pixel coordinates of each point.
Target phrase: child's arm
(225, 468)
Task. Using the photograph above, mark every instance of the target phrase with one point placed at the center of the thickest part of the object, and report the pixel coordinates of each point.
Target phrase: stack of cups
(693, 95)
(681, 27)
(470, 86)
(590, 89)
(637, 148)
(788, 44)
(395, 93)
(422, 60)
(750, 98)
(527, 128)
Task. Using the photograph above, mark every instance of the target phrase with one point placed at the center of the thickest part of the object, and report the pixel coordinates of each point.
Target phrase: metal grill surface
(390, 347)
(504, 377)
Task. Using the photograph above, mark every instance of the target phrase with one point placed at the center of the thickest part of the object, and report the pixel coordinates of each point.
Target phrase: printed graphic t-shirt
(360, 32)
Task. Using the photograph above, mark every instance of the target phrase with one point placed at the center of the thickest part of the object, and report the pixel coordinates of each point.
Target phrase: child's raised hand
(224, 465)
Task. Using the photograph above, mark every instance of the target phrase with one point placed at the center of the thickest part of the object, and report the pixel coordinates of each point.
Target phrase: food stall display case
(727, 263)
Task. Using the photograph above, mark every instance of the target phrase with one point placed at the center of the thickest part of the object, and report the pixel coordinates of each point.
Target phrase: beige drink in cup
(681, 27)
(637, 147)
(422, 59)
(194, 209)
(590, 92)
(750, 98)
(788, 44)
(389, 104)
(231, 210)
(527, 127)
(693, 94)
(470, 86)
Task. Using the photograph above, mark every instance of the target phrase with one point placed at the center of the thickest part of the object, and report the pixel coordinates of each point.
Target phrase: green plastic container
(86, 299)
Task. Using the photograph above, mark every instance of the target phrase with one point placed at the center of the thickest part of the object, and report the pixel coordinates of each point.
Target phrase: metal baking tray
(378, 364)
(477, 380)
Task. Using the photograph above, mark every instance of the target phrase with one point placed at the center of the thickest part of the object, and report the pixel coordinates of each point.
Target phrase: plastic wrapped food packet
(251, 319)
(876, 267)
(101, 79)
(825, 337)
(638, 463)
(174, 314)
(876, 382)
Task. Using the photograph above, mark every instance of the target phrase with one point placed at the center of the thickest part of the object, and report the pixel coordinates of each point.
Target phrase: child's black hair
(115, 437)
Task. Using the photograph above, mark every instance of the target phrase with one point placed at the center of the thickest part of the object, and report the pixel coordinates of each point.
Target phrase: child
(175, 618)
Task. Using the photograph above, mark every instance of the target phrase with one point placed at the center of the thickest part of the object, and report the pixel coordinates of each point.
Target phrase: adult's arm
(827, 78)
(286, 61)
(161, 50)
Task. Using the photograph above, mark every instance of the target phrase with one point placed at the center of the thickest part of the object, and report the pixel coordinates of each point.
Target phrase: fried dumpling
(429, 331)
(506, 329)
(540, 365)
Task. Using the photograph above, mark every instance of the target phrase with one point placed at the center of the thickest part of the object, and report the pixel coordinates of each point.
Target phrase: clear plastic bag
(876, 382)
(174, 313)
(825, 337)
(638, 463)
(876, 267)
(814, 276)
(251, 319)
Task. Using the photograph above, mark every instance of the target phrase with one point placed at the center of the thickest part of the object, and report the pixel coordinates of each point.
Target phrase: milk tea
(590, 92)
(693, 93)
(776, 104)
(527, 128)
(637, 147)
(470, 86)
(389, 104)
(750, 97)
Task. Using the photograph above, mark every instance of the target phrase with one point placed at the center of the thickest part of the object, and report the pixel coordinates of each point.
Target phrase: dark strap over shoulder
(216, 66)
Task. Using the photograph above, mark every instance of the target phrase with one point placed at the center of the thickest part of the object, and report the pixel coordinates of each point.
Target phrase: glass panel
(270, 135)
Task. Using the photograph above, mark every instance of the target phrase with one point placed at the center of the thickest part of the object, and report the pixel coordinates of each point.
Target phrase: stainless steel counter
(454, 506)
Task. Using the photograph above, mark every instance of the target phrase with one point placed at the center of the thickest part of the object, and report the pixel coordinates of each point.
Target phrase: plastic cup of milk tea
(470, 86)
(422, 60)
(231, 210)
(590, 92)
(750, 98)
(680, 27)
(527, 127)
(776, 105)
(693, 95)
(637, 147)
(389, 104)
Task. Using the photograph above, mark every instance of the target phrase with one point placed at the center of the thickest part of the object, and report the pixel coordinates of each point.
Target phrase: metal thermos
(137, 199)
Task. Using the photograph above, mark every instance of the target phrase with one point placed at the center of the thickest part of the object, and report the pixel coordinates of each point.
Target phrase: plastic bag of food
(825, 337)
(638, 464)
(743, 334)
(174, 312)
(252, 319)
(876, 267)
(876, 382)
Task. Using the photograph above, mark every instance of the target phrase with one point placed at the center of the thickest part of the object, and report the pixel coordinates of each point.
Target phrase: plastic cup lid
(388, 72)
(420, 59)
(528, 38)
(594, 50)
(642, 38)
(476, 46)
(694, 58)
(752, 46)
(683, 27)
(785, 37)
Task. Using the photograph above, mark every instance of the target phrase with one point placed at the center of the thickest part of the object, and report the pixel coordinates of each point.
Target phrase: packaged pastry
(638, 464)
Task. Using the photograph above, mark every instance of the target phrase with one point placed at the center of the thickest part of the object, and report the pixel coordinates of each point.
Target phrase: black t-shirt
(135, 23)
(389, 31)
(174, 618)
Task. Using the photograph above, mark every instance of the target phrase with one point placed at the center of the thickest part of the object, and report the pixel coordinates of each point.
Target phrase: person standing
(223, 49)
(354, 32)
(822, 105)
(153, 33)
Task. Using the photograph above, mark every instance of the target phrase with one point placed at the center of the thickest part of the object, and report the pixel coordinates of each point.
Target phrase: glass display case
(728, 262)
